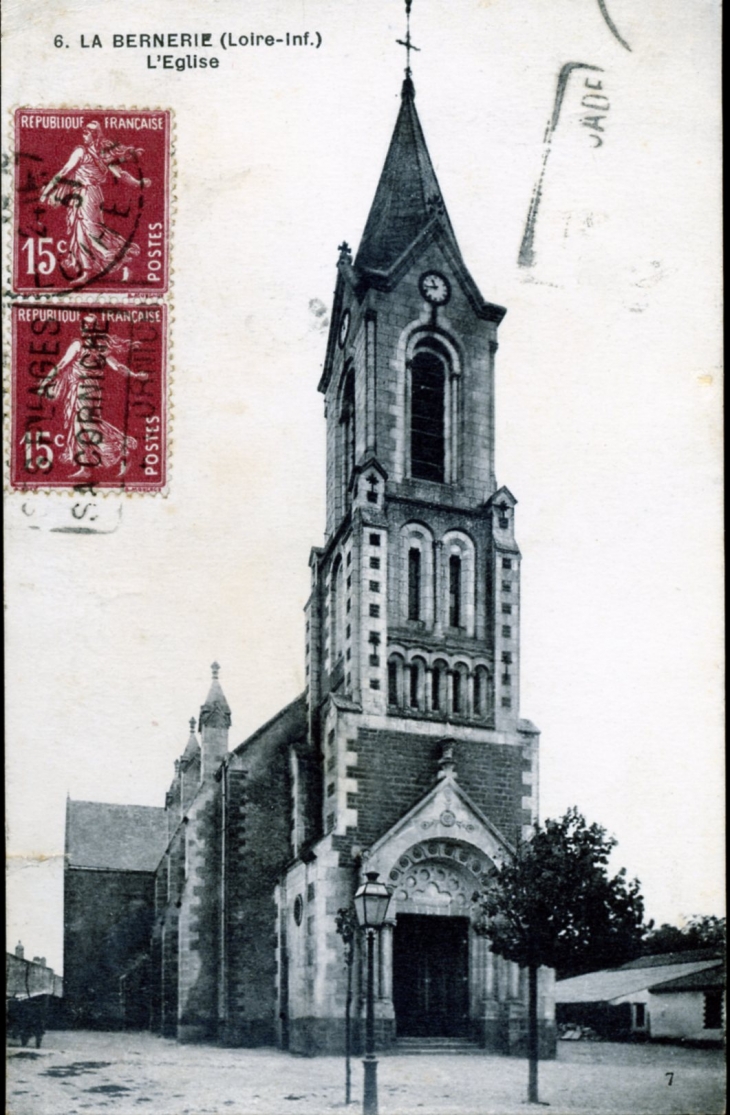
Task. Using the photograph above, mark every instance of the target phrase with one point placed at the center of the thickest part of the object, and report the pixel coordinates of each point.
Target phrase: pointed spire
(408, 196)
(192, 747)
(215, 713)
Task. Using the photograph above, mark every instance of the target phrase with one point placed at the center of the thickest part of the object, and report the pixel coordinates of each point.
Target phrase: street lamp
(371, 906)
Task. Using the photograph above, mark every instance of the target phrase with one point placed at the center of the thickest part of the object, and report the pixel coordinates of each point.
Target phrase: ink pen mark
(79, 530)
(611, 25)
(87, 511)
(87, 530)
(526, 257)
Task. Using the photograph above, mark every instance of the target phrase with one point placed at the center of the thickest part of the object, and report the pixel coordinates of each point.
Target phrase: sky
(608, 403)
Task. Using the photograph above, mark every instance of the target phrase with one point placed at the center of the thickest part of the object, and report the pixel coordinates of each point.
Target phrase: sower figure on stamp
(76, 381)
(93, 248)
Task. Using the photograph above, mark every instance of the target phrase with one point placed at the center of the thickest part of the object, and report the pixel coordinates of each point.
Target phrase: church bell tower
(428, 771)
(416, 593)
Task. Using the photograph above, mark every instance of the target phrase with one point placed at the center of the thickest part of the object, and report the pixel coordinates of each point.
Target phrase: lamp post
(371, 906)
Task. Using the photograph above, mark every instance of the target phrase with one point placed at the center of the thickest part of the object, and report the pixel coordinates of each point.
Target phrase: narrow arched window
(392, 682)
(414, 584)
(436, 688)
(347, 424)
(414, 685)
(454, 591)
(456, 693)
(481, 692)
(335, 610)
(428, 416)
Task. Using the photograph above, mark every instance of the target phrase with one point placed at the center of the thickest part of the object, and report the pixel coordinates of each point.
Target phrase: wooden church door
(431, 976)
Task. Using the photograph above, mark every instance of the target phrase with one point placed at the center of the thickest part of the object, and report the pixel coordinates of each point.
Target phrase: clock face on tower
(434, 287)
(344, 327)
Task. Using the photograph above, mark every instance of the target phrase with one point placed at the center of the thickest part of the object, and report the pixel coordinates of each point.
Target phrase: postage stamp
(89, 397)
(92, 201)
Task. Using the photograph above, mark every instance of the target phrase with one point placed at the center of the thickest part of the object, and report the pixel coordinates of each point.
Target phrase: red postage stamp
(91, 201)
(89, 397)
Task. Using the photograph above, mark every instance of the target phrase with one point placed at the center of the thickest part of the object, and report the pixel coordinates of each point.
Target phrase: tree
(554, 904)
(705, 932)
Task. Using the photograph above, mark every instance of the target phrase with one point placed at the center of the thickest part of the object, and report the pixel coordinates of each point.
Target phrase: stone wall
(258, 846)
(395, 769)
(107, 927)
(199, 924)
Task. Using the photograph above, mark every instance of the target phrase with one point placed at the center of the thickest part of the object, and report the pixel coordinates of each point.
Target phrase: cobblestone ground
(82, 1073)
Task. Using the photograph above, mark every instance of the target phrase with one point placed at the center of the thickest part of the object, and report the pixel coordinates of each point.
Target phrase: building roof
(614, 983)
(114, 837)
(663, 958)
(408, 196)
(704, 980)
(291, 718)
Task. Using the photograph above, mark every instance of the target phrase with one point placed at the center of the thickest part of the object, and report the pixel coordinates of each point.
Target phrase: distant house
(676, 996)
(26, 979)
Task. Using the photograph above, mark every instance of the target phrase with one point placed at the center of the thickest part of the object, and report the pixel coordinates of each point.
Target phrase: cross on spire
(407, 42)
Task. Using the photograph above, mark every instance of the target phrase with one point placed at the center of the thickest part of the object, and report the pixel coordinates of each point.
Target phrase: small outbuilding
(673, 996)
(27, 979)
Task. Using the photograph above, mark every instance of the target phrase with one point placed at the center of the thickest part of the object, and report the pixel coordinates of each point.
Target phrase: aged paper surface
(607, 408)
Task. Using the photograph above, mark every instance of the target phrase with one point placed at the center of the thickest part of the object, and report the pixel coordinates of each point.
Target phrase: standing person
(93, 248)
(89, 440)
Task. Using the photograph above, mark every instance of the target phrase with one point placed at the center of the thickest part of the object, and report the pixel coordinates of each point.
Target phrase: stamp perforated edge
(82, 299)
(9, 203)
(134, 488)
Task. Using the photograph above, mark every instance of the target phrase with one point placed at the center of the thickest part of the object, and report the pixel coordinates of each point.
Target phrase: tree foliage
(702, 932)
(555, 903)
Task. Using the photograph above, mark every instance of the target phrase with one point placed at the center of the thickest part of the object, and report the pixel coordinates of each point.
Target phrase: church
(214, 918)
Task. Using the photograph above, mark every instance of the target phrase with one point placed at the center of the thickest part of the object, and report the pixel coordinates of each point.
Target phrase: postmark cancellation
(89, 397)
(92, 201)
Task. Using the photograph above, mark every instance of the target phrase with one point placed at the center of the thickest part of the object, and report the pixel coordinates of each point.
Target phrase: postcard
(362, 485)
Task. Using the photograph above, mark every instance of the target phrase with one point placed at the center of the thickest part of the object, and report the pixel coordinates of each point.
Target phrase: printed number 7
(671, 1078)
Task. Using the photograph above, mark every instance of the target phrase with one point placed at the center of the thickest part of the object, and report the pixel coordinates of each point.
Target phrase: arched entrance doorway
(437, 959)
(431, 976)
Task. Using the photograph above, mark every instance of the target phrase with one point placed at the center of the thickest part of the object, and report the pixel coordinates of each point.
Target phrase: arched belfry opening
(429, 376)
(433, 411)
(347, 436)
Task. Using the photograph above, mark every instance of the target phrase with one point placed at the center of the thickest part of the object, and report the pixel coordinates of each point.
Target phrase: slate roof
(663, 958)
(614, 983)
(115, 837)
(291, 721)
(408, 194)
(704, 980)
